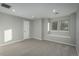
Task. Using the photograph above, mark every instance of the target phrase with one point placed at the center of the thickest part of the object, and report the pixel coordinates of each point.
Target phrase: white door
(26, 29)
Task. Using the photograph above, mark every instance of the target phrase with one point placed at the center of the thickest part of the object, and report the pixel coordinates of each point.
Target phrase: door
(26, 29)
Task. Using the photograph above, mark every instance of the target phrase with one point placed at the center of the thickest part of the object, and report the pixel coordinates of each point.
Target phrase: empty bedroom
(39, 29)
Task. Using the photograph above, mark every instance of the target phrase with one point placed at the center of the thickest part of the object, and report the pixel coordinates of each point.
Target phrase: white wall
(11, 22)
(36, 29)
(77, 31)
(40, 30)
(61, 39)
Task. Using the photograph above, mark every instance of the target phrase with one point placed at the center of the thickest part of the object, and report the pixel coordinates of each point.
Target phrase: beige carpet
(33, 47)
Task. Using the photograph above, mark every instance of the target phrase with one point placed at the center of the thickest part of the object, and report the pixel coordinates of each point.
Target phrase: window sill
(59, 31)
(62, 36)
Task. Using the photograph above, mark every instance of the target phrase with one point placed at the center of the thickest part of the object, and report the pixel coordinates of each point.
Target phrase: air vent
(5, 5)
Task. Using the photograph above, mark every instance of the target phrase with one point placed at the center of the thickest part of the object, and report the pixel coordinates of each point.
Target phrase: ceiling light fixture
(54, 10)
(32, 16)
(13, 10)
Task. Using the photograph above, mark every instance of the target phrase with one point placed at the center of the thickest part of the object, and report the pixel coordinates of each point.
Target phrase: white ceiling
(40, 10)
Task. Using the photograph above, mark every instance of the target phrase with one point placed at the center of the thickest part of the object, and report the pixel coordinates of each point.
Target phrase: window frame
(58, 26)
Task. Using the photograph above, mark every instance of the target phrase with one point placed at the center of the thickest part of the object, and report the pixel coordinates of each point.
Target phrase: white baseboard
(7, 43)
(10, 42)
(58, 42)
(62, 42)
(38, 39)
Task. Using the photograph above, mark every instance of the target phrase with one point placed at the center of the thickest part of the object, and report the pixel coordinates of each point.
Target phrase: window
(64, 25)
(54, 25)
(48, 26)
(59, 25)
(7, 35)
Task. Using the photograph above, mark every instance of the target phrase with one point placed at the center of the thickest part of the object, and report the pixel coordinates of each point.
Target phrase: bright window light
(7, 35)
(48, 26)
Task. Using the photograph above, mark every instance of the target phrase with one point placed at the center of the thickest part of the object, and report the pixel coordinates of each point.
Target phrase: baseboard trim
(11, 42)
(62, 42)
(58, 42)
(37, 39)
